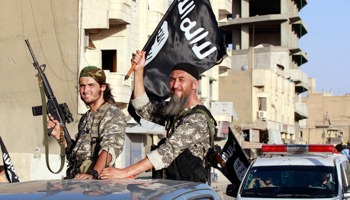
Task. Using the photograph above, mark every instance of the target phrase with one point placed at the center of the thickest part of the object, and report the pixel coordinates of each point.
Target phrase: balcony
(299, 56)
(300, 3)
(299, 26)
(119, 12)
(301, 111)
(121, 89)
(225, 7)
(257, 20)
(299, 78)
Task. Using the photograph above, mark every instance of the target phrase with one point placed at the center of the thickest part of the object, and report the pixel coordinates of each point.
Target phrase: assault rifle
(60, 112)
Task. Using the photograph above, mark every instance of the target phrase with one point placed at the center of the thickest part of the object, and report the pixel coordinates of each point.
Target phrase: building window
(109, 60)
(262, 103)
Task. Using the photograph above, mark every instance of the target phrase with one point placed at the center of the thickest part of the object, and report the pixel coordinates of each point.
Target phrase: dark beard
(176, 105)
(88, 103)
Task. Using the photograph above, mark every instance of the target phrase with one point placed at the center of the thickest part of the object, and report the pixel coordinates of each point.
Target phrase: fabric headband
(93, 72)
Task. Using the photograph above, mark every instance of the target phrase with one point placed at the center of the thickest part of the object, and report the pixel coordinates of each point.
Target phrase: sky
(327, 44)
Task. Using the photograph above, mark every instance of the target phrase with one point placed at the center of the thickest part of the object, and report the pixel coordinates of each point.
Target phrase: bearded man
(101, 133)
(181, 155)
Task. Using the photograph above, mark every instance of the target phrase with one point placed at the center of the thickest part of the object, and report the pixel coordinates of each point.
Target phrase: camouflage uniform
(111, 134)
(189, 132)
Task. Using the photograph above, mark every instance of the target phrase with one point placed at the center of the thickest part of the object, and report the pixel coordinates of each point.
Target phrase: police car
(296, 172)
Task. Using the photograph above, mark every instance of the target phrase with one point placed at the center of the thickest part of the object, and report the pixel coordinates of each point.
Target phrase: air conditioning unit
(262, 114)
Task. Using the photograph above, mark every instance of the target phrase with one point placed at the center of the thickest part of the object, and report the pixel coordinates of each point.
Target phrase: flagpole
(131, 69)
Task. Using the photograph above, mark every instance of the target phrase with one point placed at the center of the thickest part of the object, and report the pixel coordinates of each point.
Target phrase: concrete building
(68, 35)
(52, 30)
(329, 117)
(265, 81)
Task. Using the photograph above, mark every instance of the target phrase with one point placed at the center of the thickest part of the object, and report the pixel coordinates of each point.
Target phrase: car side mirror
(232, 190)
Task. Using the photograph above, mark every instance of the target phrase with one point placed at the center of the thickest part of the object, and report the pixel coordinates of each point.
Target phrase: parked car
(106, 189)
(296, 172)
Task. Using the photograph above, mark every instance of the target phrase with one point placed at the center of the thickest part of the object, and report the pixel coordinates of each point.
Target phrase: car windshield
(290, 181)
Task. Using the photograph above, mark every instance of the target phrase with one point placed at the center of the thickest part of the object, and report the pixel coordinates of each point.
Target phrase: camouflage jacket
(189, 132)
(111, 134)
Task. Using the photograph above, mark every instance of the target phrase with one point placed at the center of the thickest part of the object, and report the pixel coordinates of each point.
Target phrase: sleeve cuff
(155, 158)
(140, 101)
(111, 164)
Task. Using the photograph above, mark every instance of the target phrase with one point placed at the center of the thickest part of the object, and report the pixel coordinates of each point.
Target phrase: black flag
(235, 158)
(188, 32)
(11, 174)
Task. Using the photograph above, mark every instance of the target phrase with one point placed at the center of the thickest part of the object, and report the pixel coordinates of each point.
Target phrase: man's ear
(103, 87)
(195, 84)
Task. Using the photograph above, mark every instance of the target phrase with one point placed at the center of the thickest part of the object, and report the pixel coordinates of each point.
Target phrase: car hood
(103, 189)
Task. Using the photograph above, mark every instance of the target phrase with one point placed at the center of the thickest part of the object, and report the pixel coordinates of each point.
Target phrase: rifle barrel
(36, 64)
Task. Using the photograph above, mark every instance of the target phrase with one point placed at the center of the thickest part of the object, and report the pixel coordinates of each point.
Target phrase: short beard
(176, 105)
(88, 103)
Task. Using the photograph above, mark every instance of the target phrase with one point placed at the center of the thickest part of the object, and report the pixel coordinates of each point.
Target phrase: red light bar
(297, 148)
(321, 148)
(274, 148)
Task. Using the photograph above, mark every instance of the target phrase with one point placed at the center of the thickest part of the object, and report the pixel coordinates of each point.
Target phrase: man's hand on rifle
(56, 128)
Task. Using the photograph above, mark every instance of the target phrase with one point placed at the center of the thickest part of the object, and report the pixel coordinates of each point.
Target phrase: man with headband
(101, 129)
(181, 155)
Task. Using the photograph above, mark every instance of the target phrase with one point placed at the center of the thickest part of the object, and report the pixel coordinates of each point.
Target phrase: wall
(338, 108)
(51, 27)
(239, 92)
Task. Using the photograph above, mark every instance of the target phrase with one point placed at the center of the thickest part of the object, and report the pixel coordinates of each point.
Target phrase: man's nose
(176, 83)
(85, 89)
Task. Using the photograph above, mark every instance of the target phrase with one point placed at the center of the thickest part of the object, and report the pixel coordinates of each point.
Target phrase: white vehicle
(296, 172)
(127, 189)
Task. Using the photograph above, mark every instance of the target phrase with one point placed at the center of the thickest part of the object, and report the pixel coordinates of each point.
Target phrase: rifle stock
(60, 112)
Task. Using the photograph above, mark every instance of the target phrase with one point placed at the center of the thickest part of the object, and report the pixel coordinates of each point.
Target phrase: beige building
(67, 36)
(265, 81)
(329, 117)
(52, 30)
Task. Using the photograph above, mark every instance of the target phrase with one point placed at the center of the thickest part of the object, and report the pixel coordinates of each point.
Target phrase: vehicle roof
(104, 189)
(299, 160)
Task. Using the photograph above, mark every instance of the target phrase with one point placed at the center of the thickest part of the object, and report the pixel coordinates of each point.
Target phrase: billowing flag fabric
(188, 32)
(235, 158)
(11, 174)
